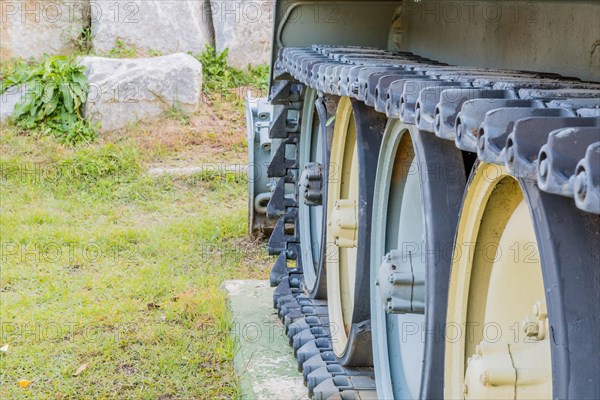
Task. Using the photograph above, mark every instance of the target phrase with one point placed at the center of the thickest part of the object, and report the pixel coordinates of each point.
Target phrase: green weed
(83, 41)
(122, 50)
(56, 90)
(221, 78)
(177, 113)
(11, 67)
(154, 53)
(80, 37)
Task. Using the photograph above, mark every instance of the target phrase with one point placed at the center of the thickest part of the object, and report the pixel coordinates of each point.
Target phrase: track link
(307, 326)
(539, 126)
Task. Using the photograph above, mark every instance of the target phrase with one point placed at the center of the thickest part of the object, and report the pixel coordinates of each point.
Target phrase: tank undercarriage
(418, 206)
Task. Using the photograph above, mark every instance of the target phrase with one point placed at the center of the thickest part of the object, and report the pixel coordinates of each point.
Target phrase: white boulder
(123, 91)
(9, 99)
(167, 26)
(245, 28)
(30, 28)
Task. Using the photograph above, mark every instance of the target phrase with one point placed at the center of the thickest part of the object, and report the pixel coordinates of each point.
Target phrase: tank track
(306, 324)
(540, 126)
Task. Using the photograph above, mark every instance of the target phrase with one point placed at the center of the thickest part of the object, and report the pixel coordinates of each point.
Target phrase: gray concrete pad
(264, 360)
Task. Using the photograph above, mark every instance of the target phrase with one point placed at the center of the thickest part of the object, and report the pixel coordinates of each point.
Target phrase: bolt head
(389, 305)
(544, 168)
(539, 311)
(531, 329)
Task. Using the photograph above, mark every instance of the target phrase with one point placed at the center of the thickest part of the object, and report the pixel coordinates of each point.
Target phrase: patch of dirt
(216, 132)
(252, 257)
(127, 369)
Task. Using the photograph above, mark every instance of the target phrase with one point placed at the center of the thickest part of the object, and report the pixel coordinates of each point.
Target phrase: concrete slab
(264, 360)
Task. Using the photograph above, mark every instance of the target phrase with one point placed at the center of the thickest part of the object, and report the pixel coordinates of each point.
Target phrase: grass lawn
(116, 273)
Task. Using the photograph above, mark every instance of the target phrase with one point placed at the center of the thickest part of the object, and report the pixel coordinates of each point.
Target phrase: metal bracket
(401, 288)
(310, 185)
(344, 223)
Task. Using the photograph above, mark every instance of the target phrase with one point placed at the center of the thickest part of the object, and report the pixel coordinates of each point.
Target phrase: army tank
(429, 175)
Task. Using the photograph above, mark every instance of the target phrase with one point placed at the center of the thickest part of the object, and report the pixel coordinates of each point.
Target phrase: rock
(123, 91)
(9, 99)
(245, 28)
(167, 26)
(30, 28)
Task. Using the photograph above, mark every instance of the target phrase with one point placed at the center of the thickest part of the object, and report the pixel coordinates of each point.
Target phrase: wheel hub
(402, 289)
(490, 373)
(501, 370)
(344, 223)
(311, 184)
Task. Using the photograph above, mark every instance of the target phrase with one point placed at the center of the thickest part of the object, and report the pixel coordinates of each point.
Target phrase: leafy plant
(122, 50)
(177, 113)
(56, 90)
(258, 76)
(154, 53)
(9, 69)
(80, 37)
(83, 42)
(220, 77)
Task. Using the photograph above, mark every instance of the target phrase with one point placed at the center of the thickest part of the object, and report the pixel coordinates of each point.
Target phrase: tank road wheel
(418, 193)
(523, 294)
(353, 162)
(313, 193)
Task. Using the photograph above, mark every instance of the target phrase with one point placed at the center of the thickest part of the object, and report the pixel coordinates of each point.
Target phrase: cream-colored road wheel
(497, 292)
(342, 226)
(507, 327)
(352, 166)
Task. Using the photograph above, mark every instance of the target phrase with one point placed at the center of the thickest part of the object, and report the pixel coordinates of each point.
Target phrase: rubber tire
(370, 126)
(319, 291)
(312, 285)
(569, 246)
